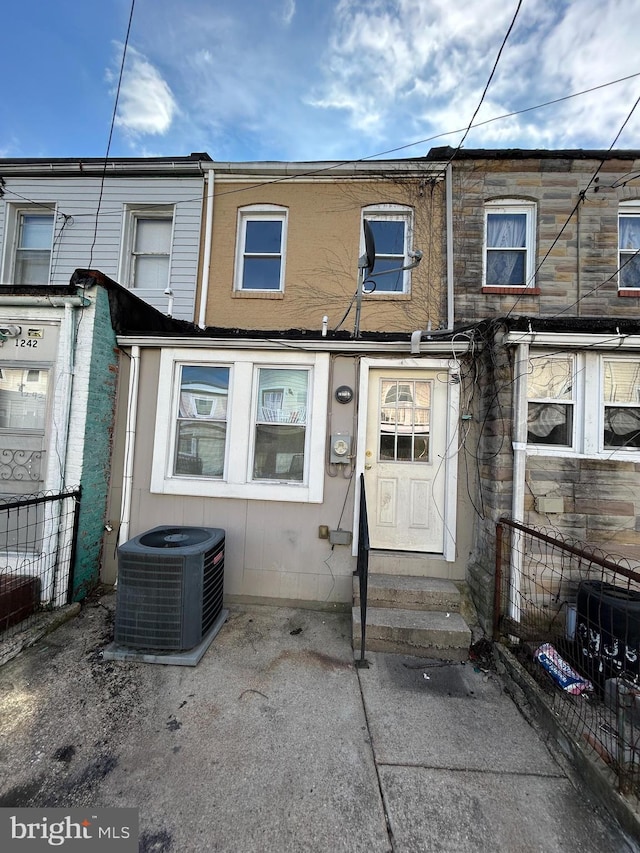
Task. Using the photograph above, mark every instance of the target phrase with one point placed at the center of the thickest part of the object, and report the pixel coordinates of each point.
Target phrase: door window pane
(23, 419)
(405, 418)
(23, 398)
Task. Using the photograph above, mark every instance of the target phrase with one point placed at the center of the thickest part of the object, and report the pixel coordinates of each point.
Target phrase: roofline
(323, 168)
(447, 153)
(354, 346)
(196, 164)
(193, 164)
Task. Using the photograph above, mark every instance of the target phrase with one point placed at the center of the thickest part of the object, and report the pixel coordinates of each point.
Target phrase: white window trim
(13, 212)
(626, 208)
(393, 213)
(574, 403)
(266, 213)
(512, 205)
(589, 418)
(236, 482)
(131, 213)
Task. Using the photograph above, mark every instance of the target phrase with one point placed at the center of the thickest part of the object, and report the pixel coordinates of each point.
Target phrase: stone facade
(577, 197)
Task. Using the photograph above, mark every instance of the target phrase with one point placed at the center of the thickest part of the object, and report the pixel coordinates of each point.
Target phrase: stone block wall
(576, 234)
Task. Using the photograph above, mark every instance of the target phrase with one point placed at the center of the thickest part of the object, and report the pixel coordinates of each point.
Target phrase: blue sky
(313, 79)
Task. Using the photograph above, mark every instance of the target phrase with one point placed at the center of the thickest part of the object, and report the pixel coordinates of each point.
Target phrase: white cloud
(146, 104)
(402, 68)
(288, 11)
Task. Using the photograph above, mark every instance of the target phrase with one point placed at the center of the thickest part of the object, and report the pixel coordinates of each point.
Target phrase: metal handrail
(362, 571)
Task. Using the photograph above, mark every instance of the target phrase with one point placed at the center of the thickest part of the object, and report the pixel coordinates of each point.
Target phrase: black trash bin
(608, 631)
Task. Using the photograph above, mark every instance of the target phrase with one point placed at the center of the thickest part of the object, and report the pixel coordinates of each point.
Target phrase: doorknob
(367, 467)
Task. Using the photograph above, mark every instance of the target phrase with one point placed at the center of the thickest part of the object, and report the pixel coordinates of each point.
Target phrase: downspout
(416, 336)
(65, 393)
(206, 257)
(578, 283)
(129, 445)
(56, 477)
(519, 471)
(449, 227)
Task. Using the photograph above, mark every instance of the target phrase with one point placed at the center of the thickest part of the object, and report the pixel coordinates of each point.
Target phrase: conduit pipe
(129, 445)
(519, 472)
(206, 257)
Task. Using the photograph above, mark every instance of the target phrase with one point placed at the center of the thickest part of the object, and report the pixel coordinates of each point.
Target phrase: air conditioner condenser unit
(170, 588)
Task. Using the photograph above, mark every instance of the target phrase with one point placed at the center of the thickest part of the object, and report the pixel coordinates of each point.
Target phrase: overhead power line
(486, 88)
(113, 121)
(581, 198)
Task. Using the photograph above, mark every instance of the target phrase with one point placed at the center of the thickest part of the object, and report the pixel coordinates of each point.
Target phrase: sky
(297, 80)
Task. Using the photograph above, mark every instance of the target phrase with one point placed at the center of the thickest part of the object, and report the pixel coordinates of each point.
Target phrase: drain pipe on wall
(449, 227)
(416, 336)
(206, 257)
(129, 445)
(519, 471)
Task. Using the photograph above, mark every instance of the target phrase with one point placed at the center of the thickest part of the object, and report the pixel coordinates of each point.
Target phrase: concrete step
(407, 563)
(430, 634)
(409, 593)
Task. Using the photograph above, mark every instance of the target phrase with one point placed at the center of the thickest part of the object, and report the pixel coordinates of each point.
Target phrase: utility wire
(113, 121)
(580, 200)
(337, 164)
(486, 88)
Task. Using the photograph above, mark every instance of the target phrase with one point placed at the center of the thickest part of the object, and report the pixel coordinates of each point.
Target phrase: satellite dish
(370, 247)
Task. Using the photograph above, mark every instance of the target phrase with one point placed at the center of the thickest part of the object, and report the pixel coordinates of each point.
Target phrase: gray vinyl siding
(78, 198)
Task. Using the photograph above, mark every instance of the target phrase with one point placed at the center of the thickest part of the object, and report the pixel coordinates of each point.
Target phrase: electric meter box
(340, 448)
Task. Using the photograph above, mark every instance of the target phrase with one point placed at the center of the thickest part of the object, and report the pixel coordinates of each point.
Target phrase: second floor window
(150, 251)
(391, 226)
(629, 239)
(509, 230)
(33, 248)
(261, 249)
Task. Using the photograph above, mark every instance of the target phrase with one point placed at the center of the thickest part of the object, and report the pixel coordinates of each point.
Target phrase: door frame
(452, 368)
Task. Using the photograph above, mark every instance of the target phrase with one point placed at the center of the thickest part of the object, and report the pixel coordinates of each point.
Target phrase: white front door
(405, 459)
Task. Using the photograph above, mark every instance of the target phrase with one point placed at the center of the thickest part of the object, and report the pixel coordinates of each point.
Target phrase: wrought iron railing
(38, 535)
(362, 570)
(571, 615)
